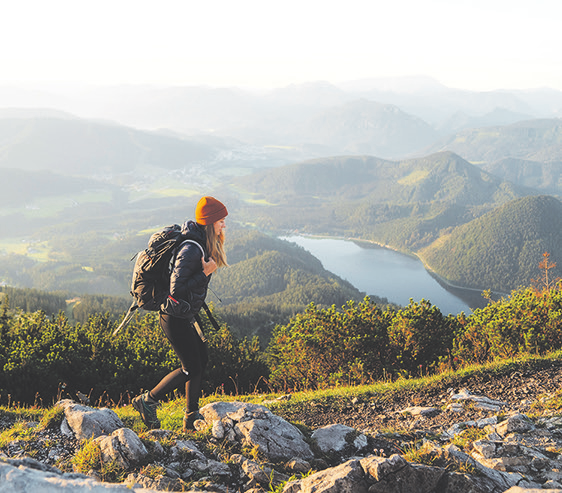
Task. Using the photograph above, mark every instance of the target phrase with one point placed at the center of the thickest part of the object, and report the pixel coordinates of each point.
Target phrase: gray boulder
(186, 447)
(516, 423)
(124, 446)
(348, 477)
(502, 480)
(256, 426)
(211, 467)
(19, 478)
(139, 482)
(396, 475)
(335, 438)
(88, 422)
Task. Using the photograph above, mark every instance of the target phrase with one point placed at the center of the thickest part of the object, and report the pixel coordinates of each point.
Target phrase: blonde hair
(215, 245)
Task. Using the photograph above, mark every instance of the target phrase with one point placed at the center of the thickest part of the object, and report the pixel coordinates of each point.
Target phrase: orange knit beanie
(209, 210)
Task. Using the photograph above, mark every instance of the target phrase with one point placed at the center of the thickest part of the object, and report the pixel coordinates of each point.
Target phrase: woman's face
(219, 226)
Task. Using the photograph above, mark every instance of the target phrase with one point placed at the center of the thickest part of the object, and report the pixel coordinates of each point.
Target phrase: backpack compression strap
(128, 316)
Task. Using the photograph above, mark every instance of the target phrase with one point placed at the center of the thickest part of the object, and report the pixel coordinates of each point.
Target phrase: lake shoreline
(426, 266)
(471, 297)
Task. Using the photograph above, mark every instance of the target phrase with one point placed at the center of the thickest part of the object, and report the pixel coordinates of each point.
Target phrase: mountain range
(527, 153)
(77, 146)
(404, 204)
(405, 165)
(470, 227)
(291, 116)
(534, 140)
(444, 177)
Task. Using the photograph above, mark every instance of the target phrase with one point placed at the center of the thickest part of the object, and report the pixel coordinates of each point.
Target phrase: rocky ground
(384, 417)
(517, 389)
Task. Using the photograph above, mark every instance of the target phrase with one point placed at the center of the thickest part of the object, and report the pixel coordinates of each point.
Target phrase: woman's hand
(208, 266)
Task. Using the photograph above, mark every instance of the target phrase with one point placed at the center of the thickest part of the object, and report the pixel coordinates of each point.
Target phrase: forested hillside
(405, 204)
(268, 281)
(32, 300)
(544, 176)
(444, 177)
(501, 249)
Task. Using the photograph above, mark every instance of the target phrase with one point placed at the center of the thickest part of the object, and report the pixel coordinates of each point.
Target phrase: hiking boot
(146, 406)
(189, 420)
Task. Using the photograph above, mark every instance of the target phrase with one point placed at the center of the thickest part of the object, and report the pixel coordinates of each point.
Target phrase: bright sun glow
(480, 45)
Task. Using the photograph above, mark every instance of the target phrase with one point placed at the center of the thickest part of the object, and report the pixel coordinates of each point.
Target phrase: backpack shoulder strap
(194, 242)
(173, 257)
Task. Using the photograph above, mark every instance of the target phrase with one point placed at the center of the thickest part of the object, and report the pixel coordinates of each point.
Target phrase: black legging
(192, 353)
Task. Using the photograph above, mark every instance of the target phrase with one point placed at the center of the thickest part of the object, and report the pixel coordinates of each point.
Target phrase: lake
(385, 273)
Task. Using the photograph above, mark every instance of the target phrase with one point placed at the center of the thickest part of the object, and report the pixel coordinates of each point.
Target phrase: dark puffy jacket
(187, 280)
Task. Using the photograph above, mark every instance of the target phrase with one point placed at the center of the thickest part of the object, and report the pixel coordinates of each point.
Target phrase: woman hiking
(190, 276)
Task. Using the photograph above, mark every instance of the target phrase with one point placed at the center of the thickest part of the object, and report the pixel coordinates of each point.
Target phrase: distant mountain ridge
(272, 117)
(404, 204)
(442, 176)
(423, 97)
(534, 140)
(368, 127)
(543, 176)
(497, 117)
(77, 146)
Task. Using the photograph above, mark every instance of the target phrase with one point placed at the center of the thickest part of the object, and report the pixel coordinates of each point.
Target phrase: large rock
(255, 426)
(186, 447)
(88, 422)
(480, 402)
(211, 467)
(15, 477)
(396, 475)
(502, 480)
(348, 477)
(259, 476)
(124, 446)
(139, 482)
(516, 423)
(335, 438)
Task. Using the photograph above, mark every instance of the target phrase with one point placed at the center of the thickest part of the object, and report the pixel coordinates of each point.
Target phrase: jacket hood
(194, 231)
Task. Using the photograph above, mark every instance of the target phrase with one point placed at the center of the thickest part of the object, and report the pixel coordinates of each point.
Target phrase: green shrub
(419, 335)
(528, 322)
(46, 358)
(326, 347)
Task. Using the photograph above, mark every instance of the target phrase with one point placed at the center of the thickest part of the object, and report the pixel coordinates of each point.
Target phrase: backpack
(151, 276)
(150, 286)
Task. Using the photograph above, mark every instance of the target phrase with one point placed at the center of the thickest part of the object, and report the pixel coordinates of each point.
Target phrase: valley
(80, 194)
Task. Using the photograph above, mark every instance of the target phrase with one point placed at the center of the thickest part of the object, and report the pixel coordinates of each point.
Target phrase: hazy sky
(473, 44)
